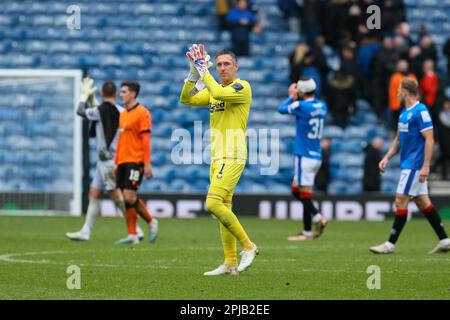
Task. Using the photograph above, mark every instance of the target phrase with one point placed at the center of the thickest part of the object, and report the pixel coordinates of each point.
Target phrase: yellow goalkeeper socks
(229, 220)
(228, 243)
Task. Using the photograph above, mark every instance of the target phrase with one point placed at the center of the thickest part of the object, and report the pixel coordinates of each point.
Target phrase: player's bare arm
(429, 141)
(391, 152)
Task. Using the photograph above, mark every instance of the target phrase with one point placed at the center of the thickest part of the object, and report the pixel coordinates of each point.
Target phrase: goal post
(41, 142)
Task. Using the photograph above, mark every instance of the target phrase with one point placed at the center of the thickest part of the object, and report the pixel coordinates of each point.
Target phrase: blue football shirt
(310, 117)
(411, 123)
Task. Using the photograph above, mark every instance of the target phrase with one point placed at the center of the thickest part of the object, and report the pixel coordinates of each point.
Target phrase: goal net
(40, 145)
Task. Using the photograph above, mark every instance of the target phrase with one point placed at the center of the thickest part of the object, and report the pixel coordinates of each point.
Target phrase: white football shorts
(409, 183)
(104, 176)
(306, 170)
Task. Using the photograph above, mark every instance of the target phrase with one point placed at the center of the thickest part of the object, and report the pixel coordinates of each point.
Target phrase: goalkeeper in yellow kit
(229, 106)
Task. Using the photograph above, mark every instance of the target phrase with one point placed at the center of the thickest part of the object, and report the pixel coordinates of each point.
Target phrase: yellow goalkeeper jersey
(229, 108)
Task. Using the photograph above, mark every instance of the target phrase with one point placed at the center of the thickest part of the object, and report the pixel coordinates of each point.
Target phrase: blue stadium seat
(333, 132)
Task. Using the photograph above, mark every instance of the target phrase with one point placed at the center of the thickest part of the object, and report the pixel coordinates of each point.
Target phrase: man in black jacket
(372, 175)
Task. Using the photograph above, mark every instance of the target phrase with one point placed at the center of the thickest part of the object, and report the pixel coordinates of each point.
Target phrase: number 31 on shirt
(316, 128)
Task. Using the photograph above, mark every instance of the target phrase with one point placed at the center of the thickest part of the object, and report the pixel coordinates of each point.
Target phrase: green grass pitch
(34, 256)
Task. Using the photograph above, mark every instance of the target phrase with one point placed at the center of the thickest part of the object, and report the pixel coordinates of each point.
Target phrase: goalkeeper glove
(197, 56)
(193, 75)
(87, 90)
(199, 85)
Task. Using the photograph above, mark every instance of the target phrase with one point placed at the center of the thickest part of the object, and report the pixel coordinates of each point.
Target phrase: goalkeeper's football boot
(77, 236)
(301, 237)
(223, 269)
(319, 227)
(384, 248)
(153, 230)
(130, 239)
(442, 246)
(247, 258)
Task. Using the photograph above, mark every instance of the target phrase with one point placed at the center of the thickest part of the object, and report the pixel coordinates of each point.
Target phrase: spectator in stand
(446, 52)
(323, 175)
(319, 50)
(310, 26)
(423, 31)
(241, 21)
(415, 61)
(402, 71)
(429, 85)
(310, 70)
(443, 126)
(259, 16)
(401, 47)
(295, 61)
(292, 12)
(373, 155)
(368, 48)
(383, 65)
(393, 12)
(350, 66)
(222, 8)
(403, 30)
(428, 49)
(336, 20)
(342, 96)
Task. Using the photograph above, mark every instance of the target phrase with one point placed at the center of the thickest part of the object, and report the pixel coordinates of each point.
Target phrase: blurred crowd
(350, 61)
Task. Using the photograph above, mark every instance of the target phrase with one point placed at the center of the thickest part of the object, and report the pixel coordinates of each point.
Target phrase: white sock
(316, 218)
(92, 211)
(139, 230)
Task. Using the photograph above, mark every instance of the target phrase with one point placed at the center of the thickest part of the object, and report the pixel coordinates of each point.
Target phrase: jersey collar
(137, 103)
(415, 104)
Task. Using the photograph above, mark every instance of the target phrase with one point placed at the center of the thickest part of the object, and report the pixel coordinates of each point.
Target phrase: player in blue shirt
(415, 141)
(310, 117)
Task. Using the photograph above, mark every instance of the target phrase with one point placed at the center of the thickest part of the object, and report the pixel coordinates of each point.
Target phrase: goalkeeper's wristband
(192, 77)
(199, 86)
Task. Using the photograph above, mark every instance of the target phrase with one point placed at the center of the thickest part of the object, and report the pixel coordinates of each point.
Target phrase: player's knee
(213, 204)
(95, 193)
(400, 203)
(422, 204)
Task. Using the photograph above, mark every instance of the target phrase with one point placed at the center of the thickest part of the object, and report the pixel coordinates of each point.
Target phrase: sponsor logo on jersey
(403, 127)
(216, 107)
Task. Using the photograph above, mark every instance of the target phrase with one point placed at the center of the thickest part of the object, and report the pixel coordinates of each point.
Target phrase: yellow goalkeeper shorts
(224, 176)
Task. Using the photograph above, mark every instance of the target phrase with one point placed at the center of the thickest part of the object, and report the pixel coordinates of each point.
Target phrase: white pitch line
(9, 257)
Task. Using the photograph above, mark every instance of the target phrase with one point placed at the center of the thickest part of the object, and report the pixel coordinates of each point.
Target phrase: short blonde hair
(410, 85)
